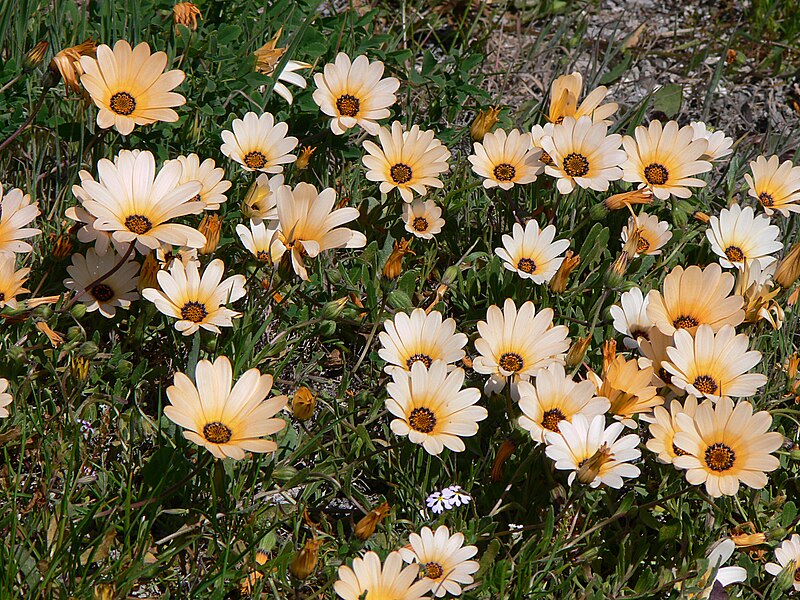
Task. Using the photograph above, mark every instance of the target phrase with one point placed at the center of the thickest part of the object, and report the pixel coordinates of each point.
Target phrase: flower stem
(37, 107)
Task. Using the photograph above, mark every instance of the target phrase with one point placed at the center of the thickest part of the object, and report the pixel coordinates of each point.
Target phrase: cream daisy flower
(788, 557)
(664, 426)
(738, 236)
(714, 365)
(135, 204)
(694, 297)
(726, 446)
(630, 390)
(556, 398)
(354, 93)
(719, 554)
(16, 211)
(423, 219)
(653, 234)
(431, 408)
(211, 178)
(87, 234)
(258, 143)
(565, 93)
(225, 421)
(531, 252)
(11, 281)
(5, 397)
(114, 291)
(369, 580)
(583, 154)
(506, 159)
(630, 317)
(775, 184)
(664, 159)
(257, 239)
(593, 452)
(719, 145)
(421, 338)
(308, 225)
(517, 344)
(130, 87)
(261, 201)
(538, 133)
(444, 559)
(195, 300)
(410, 161)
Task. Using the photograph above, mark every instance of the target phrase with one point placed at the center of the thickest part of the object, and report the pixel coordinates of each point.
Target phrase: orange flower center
(720, 457)
(656, 174)
(552, 418)
(734, 254)
(677, 451)
(194, 311)
(255, 159)
(217, 433)
(122, 103)
(545, 158)
(422, 420)
(576, 165)
(643, 245)
(420, 224)
(400, 173)
(423, 358)
(347, 105)
(526, 265)
(138, 224)
(766, 199)
(685, 322)
(504, 172)
(511, 361)
(433, 570)
(705, 384)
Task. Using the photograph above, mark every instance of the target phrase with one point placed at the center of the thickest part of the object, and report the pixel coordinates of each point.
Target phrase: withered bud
(186, 14)
(745, 540)
(62, 247)
(609, 354)
(305, 561)
(701, 216)
(788, 269)
(438, 297)
(55, 338)
(210, 226)
(620, 201)
(730, 56)
(305, 156)
(35, 57)
(503, 454)
(559, 281)
(303, 404)
(792, 366)
(394, 264)
(577, 351)
(590, 469)
(67, 64)
(366, 526)
(632, 243)
(148, 272)
(269, 55)
(79, 368)
(483, 123)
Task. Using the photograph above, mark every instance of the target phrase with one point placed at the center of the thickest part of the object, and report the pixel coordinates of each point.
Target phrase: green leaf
(668, 99)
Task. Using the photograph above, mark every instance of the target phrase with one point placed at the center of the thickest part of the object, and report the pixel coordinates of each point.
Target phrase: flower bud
(598, 212)
(503, 453)
(577, 351)
(701, 216)
(609, 354)
(483, 123)
(394, 264)
(79, 368)
(303, 404)
(148, 273)
(35, 57)
(305, 157)
(785, 579)
(590, 469)
(210, 226)
(305, 561)
(332, 309)
(559, 281)
(55, 338)
(366, 526)
(62, 247)
(89, 349)
(788, 269)
(792, 366)
(615, 273)
(186, 14)
(78, 311)
(620, 201)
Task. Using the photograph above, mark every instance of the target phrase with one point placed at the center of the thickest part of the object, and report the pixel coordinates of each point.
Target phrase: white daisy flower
(653, 234)
(738, 235)
(788, 557)
(444, 559)
(258, 143)
(630, 317)
(423, 219)
(115, 291)
(211, 177)
(504, 160)
(531, 252)
(719, 145)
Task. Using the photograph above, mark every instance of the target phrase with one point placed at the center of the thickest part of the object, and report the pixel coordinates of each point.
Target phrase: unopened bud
(788, 269)
(79, 367)
(67, 64)
(577, 351)
(305, 561)
(615, 273)
(366, 526)
(78, 311)
(484, 122)
(620, 201)
(503, 454)
(785, 579)
(62, 247)
(590, 469)
(701, 216)
(90, 349)
(210, 226)
(609, 354)
(559, 281)
(394, 264)
(745, 540)
(332, 309)
(303, 404)
(35, 57)
(305, 157)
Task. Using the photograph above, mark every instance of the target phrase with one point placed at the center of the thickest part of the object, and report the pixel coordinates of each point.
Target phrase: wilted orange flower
(484, 122)
(394, 264)
(304, 158)
(620, 201)
(559, 281)
(210, 226)
(186, 14)
(366, 526)
(305, 561)
(67, 64)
